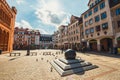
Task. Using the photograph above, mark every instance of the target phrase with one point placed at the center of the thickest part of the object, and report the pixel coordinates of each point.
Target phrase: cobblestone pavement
(34, 68)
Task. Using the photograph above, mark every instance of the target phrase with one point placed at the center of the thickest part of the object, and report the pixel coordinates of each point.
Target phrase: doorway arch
(93, 45)
(106, 44)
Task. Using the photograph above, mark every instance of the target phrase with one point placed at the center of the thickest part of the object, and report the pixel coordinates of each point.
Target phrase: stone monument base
(66, 67)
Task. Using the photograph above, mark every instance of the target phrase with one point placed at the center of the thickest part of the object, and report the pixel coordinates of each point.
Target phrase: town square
(37, 67)
(60, 40)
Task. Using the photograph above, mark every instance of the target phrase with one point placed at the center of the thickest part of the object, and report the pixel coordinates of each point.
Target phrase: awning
(92, 41)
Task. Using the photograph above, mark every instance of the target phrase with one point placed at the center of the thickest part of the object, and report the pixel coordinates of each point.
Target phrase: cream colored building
(115, 13)
(98, 29)
(74, 32)
(56, 40)
(70, 36)
(64, 37)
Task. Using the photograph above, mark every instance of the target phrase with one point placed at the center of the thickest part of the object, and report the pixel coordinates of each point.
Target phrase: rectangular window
(97, 18)
(102, 5)
(91, 5)
(86, 15)
(77, 31)
(91, 30)
(105, 26)
(98, 28)
(115, 1)
(86, 23)
(118, 11)
(90, 13)
(118, 22)
(96, 2)
(76, 24)
(103, 15)
(95, 9)
(90, 21)
(87, 31)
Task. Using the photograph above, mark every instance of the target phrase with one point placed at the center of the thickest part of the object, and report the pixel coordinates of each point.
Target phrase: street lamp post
(28, 47)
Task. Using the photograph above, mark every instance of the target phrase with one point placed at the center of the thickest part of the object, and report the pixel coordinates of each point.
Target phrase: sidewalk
(102, 54)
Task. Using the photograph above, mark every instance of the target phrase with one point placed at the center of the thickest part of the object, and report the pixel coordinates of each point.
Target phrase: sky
(46, 15)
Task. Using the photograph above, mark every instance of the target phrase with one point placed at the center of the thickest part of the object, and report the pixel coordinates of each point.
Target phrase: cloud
(26, 24)
(20, 1)
(51, 13)
(23, 24)
(42, 31)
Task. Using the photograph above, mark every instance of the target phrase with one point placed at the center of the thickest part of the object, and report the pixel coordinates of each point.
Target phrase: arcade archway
(118, 42)
(93, 45)
(4, 37)
(106, 44)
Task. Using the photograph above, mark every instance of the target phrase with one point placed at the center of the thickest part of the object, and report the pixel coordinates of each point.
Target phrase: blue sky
(46, 15)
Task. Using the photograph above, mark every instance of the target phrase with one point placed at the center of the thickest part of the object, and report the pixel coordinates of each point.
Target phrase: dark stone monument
(70, 54)
(71, 65)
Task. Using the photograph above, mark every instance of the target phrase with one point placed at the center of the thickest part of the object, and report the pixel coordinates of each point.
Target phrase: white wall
(37, 40)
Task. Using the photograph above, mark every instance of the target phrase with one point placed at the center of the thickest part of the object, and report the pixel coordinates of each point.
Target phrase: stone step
(57, 68)
(72, 71)
(78, 70)
(71, 66)
(71, 61)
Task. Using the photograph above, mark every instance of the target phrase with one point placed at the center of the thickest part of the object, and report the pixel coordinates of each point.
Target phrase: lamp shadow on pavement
(12, 59)
(15, 58)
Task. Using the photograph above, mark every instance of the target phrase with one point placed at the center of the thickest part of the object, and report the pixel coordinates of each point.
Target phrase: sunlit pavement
(34, 68)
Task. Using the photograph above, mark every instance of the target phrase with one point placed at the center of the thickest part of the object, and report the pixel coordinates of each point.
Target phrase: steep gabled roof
(89, 2)
(73, 19)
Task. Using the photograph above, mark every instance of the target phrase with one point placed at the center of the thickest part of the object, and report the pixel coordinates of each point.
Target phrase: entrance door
(93, 45)
(106, 44)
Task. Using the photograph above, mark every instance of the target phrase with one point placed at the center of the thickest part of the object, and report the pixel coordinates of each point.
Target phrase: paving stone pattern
(38, 67)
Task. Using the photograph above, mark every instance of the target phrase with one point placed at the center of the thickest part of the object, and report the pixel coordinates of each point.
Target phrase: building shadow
(78, 70)
(103, 54)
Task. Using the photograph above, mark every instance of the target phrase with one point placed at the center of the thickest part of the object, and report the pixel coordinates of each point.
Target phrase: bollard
(37, 60)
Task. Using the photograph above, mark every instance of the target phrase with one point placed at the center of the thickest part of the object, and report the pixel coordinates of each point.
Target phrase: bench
(33, 53)
(15, 53)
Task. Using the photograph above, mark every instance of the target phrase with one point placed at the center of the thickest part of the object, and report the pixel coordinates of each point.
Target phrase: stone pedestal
(70, 65)
(66, 67)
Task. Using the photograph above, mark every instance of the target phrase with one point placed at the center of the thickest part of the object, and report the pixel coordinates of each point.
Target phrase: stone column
(0, 38)
(4, 39)
(98, 45)
(115, 42)
(88, 46)
(0, 35)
